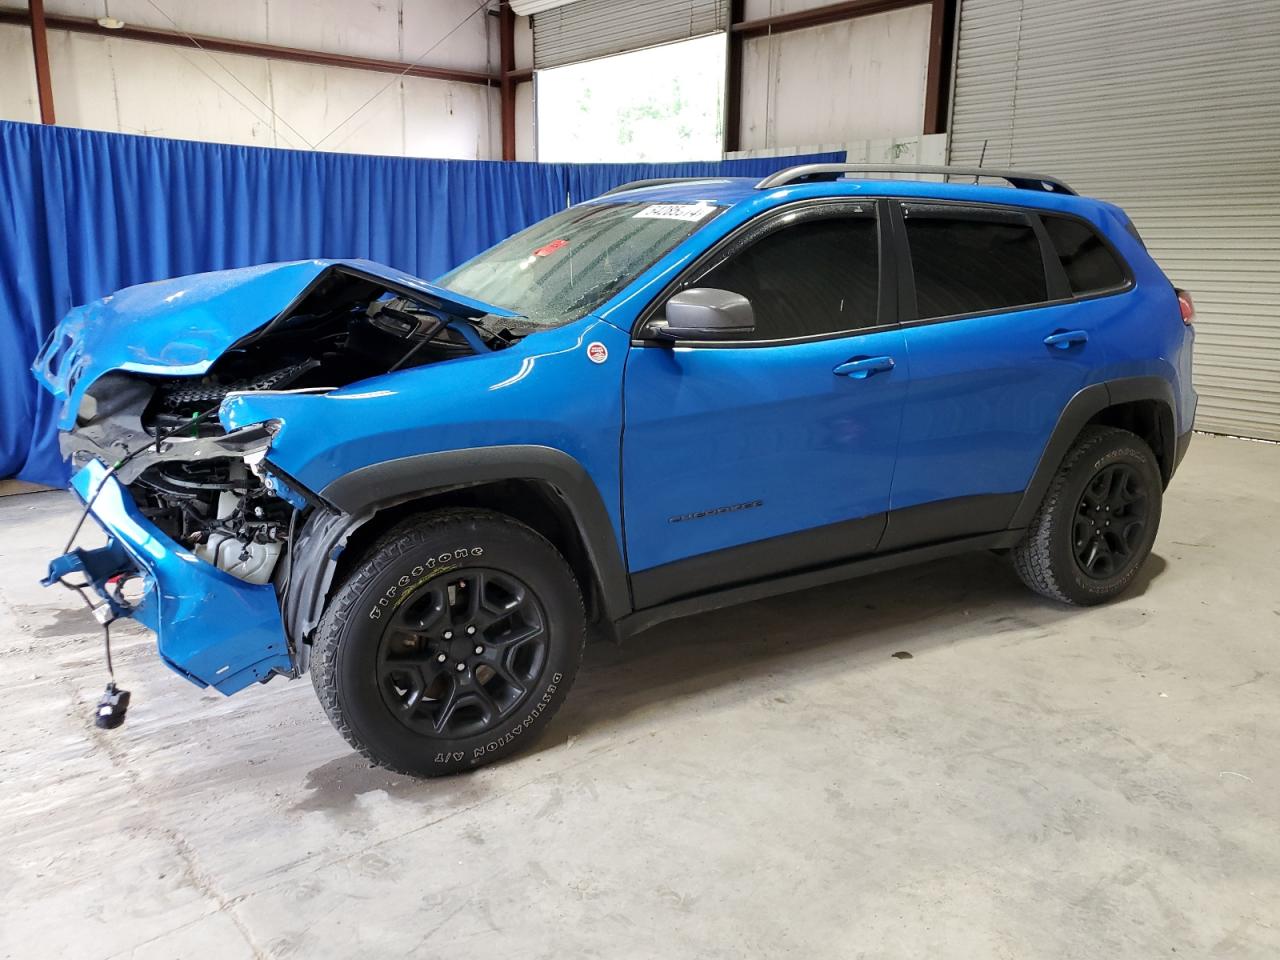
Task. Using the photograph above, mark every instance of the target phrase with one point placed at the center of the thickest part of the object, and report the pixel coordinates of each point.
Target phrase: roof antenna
(982, 156)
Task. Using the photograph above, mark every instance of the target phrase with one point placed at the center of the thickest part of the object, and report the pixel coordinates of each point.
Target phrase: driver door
(766, 455)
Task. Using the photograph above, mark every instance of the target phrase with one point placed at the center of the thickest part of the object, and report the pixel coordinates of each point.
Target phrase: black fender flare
(1080, 409)
(353, 499)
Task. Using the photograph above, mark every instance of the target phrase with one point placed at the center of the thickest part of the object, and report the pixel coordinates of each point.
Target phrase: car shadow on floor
(912, 610)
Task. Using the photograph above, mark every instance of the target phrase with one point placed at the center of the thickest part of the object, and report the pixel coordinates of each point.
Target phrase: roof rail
(657, 182)
(832, 171)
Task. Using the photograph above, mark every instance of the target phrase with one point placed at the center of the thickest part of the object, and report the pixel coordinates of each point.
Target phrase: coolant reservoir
(224, 551)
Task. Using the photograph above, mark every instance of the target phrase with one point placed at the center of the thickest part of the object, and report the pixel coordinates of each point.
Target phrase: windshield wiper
(399, 317)
(506, 329)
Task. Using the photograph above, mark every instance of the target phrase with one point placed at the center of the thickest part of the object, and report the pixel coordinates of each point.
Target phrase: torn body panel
(117, 431)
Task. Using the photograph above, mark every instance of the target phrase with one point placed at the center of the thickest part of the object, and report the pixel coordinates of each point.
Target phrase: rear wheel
(451, 643)
(1098, 520)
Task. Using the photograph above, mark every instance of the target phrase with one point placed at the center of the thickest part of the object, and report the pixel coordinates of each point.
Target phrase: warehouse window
(1089, 265)
(659, 104)
(814, 277)
(970, 260)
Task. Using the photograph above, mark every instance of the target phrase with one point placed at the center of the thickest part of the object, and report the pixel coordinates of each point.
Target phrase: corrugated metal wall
(1172, 110)
(598, 28)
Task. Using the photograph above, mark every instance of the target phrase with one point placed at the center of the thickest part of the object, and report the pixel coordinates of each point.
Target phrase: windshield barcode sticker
(674, 211)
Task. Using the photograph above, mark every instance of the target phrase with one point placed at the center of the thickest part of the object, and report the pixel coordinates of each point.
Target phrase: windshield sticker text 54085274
(674, 211)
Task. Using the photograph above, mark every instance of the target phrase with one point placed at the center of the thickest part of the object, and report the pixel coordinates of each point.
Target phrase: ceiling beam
(87, 25)
(817, 16)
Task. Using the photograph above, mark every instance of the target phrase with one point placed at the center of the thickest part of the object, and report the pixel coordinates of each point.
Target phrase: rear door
(750, 458)
(998, 343)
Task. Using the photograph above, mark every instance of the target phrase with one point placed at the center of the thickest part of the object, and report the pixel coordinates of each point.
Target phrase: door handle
(1065, 338)
(861, 369)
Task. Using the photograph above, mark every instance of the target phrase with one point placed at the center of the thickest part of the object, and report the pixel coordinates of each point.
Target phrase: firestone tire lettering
(418, 575)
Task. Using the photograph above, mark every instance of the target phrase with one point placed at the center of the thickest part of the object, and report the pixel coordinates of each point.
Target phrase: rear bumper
(212, 628)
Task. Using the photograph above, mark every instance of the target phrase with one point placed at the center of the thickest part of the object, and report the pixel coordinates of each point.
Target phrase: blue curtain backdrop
(85, 213)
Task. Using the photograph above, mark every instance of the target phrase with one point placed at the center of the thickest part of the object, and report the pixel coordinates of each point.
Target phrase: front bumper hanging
(214, 629)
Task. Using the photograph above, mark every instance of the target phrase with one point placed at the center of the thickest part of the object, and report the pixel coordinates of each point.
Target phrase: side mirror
(704, 313)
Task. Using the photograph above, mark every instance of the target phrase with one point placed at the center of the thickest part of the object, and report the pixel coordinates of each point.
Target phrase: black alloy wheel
(1111, 520)
(460, 654)
(452, 642)
(1097, 522)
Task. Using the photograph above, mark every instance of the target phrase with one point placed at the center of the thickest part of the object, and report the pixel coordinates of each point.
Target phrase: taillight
(1187, 306)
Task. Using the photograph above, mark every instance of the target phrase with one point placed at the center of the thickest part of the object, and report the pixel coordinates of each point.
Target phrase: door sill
(641, 620)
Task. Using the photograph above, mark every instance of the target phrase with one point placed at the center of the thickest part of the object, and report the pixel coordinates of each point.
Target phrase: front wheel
(451, 643)
(1098, 520)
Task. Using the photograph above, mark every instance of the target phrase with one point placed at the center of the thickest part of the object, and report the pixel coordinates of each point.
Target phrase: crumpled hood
(179, 327)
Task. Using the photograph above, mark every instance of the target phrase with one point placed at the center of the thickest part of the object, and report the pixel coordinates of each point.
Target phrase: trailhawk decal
(716, 511)
(428, 569)
(597, 352)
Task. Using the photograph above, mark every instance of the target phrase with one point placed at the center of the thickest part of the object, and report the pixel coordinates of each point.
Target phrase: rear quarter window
(1089, 264)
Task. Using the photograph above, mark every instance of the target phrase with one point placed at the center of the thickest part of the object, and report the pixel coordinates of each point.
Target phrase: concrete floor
(768, 781)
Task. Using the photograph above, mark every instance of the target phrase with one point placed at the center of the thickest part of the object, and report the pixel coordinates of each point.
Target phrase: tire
(398, 673)
(1098, 521)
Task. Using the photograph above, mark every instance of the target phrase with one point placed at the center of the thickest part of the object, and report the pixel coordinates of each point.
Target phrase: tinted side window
(1089, 265)
(812, 277)
(967, 259)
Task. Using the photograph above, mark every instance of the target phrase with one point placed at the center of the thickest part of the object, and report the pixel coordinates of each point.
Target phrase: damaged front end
(192, 509)
(214, 628)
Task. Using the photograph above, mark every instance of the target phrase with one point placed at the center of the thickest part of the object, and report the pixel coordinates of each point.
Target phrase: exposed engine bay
(209, 489)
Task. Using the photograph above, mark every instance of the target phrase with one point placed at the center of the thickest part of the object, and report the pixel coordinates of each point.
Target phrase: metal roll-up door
(586, 29)
(1170, 110)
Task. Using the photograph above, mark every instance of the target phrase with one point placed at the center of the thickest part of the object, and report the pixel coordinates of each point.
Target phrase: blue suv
(676, 396)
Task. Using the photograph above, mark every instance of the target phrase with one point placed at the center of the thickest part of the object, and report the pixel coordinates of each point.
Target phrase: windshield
(564, 267)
